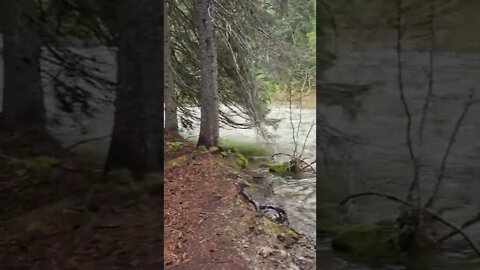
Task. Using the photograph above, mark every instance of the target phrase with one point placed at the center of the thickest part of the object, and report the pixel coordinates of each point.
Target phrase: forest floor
(208, 226)
(56, 213)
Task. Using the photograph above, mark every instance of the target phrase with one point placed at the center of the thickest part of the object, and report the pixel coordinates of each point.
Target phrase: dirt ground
(66, 216)
(208, 226)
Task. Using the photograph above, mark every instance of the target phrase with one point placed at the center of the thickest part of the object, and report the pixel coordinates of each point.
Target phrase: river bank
(208, 226)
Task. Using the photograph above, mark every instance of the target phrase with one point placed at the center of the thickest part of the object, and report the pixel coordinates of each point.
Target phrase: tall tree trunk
(171, 120)
(23, 104)
(209, 100)
(136, 143)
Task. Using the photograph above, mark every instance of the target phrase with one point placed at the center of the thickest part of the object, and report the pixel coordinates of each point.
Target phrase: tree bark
(209, 100)
(137, 143)
(23, 103)
(171, 120)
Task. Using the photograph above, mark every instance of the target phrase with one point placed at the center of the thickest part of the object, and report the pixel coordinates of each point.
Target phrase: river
(381, 160)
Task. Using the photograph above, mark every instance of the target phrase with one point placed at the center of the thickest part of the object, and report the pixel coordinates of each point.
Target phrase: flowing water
(297, 196)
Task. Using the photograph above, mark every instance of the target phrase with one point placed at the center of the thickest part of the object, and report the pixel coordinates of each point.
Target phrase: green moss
(246, 148)
(281, 168)
(213, 149)
(36, 220)
(34, 226)
(122, 178)
(174, 144)
(286, 234)
(39, 164)
(175, 162)
(241, 161)
(368, 240)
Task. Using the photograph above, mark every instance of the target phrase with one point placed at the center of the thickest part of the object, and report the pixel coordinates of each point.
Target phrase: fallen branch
(458, 230)
(299, 159)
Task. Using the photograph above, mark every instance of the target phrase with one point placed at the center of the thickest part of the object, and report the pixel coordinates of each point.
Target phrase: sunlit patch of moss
(39, 164)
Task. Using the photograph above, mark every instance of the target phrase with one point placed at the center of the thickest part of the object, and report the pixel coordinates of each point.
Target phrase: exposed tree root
(262, 208)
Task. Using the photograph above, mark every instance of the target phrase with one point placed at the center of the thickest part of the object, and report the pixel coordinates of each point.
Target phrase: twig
(415, 180)
(435, 216)
(291, 119)
(333, 22)
(443, 165)
(69, 148)
(306, 138)
(430, 72)
(465, 225)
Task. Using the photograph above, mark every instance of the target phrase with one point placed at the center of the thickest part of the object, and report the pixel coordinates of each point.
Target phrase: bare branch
(415, 181)
(443, 164)
(435, 216)
(430, 71)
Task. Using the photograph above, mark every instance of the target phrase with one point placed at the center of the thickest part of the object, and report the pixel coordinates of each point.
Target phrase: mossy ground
(246, 148)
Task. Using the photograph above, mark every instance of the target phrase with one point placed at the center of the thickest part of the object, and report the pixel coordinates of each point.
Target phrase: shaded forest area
(154, 201)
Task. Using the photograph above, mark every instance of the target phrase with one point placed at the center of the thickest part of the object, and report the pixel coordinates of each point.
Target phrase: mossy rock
(280, 168)
(368, 240)
(282, 232)
(39, 164)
